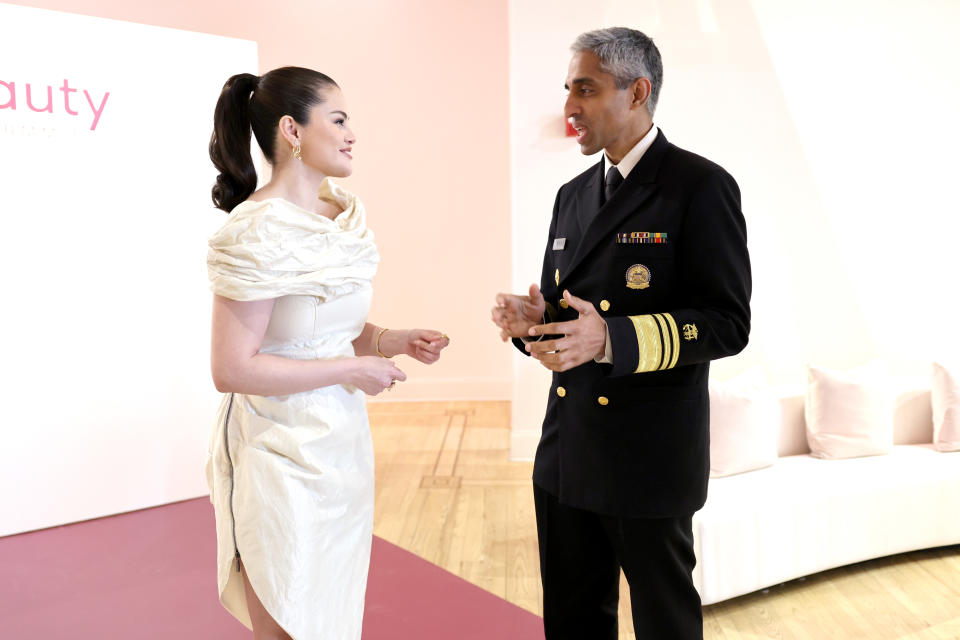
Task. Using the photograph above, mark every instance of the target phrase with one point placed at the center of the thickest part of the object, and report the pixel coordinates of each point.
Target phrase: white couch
(804, 514)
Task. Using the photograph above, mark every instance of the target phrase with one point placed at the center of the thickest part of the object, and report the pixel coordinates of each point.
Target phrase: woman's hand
(373, 374)
(424, 345)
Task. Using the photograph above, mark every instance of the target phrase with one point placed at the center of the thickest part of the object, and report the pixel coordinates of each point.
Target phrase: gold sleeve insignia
(658, 342)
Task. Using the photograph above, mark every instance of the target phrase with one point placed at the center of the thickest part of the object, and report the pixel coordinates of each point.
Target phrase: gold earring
(296, 152)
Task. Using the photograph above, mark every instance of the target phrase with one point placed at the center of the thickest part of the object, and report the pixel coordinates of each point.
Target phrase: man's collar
(629, 161)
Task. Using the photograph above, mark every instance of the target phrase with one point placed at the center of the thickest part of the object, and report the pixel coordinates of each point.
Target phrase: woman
(291, 466)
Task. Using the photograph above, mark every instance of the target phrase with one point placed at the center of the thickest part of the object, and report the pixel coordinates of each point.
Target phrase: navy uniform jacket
(632, 438)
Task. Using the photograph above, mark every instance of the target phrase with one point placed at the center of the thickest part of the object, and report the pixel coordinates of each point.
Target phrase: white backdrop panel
(105, 206)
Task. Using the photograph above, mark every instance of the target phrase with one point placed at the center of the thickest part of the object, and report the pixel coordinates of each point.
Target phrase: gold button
(561, 391)
(605, 305)
(556, 276)
(563, 303)
(603, 401)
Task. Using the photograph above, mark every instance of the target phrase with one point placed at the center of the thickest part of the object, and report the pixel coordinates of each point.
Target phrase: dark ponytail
(246, 102)
(230, 143)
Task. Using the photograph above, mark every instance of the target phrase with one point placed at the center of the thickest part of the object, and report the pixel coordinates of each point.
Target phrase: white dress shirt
(629, 161)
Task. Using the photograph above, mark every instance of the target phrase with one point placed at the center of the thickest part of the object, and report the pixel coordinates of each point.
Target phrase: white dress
(291, 477)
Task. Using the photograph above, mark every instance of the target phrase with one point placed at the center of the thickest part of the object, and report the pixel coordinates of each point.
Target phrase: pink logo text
(36, 101)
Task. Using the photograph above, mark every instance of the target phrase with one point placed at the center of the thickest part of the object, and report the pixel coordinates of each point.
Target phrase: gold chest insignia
(638, 277)
(690, 332)
(556, 276)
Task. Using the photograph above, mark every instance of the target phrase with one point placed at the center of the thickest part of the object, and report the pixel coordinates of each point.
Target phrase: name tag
(559, 244)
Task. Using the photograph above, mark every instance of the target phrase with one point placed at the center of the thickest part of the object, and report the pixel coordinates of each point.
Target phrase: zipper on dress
(226, 444)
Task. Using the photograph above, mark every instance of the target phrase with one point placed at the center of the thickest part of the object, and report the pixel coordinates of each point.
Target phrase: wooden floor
(447, 491)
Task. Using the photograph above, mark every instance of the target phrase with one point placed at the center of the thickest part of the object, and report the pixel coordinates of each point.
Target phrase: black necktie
(614, 180)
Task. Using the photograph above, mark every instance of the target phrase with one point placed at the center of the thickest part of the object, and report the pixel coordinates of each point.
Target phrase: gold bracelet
(380, 335)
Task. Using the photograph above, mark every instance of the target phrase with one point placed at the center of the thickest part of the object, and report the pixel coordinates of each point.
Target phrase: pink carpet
(151, 574)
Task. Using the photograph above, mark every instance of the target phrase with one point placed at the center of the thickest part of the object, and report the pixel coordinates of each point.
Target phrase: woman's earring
(296, 152)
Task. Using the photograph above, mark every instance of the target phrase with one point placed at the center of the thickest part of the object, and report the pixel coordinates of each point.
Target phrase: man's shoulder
(689, 165)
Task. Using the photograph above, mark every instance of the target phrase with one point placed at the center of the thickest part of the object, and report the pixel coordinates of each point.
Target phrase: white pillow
(945, 395)
(849, 414)
(744, 425)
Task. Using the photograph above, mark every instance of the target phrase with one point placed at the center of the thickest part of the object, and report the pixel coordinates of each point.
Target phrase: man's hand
(515, 315)
(583, 339)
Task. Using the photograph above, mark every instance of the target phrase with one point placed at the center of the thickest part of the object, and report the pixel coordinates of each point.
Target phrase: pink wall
(427, 85)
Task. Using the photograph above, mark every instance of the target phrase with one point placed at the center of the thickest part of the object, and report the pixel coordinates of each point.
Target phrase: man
(646, 278)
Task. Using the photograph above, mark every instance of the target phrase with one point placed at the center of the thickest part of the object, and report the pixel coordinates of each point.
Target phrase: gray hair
(626, 54)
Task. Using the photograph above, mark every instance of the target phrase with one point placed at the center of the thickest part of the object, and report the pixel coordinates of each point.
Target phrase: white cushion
(805, 515)
(744, 425)
(945, 396)
(848, 414)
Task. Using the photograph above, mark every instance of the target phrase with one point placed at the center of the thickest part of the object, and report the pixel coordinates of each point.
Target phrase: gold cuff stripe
(649, 343)
(668, 346)
(675, 339)
(658, 342)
